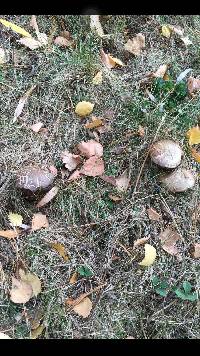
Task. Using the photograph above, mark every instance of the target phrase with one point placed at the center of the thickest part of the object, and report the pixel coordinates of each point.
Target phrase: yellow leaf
(116, 60)
(15, 28)
(32, 280)
(97, 78)
(150, 256)
(60, 249)
(166, 31)
(84, 108)
(83, 308)
(195, 155)
(194, 135)
(96, 122)
(37, 332)
(15, 219)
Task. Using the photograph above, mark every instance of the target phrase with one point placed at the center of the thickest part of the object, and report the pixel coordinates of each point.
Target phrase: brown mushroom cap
(179, 180)
(34, 178)
(166, 153)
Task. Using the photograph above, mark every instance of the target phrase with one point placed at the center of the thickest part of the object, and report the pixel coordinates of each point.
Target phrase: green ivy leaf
(84, 271)
(180, 294)
(187, 287)
(162, 292)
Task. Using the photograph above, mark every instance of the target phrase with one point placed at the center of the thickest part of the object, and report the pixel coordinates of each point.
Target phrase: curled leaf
(150, 256)
(84, 108)
(141, 241)
(194, 135)
(110, 61)
(70, 160)
(60, 249)
(48, 197)
(186, 40)
(22, 102)
(161, 71)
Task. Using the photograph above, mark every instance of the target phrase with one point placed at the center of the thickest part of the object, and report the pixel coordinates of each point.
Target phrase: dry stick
(84, 295)
(147, 154)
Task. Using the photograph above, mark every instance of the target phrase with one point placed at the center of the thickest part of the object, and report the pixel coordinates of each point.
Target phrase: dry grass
(82, 217)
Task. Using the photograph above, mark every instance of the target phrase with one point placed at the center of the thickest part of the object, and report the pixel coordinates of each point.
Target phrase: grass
(82, 217)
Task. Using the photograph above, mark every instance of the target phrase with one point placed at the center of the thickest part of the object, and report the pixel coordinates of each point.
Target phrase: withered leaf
(90, 148)
(141, 241)
(94, 166)
(96, 122)
(153, 215)
(193, 85)
(21, 291)
(36, 127)
(136, 44)
(48, 197)
(9, 234)
(22, 102)
(70, 160)
(60, 249)
(39, 220)
(168, 239)
(83, 308)
(123, 181)
(196, 253)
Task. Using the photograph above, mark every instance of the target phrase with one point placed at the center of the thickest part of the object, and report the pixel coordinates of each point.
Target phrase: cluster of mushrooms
(167, 154)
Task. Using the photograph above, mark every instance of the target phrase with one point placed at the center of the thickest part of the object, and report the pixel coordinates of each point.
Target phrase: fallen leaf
(83, 308)
(115, 198)
(84, 108)
(95, 25)
(161, 71)
(9, 234)
(141, 241)
(196, 253)
(73, 278)
(70, 160)
(122, 182)
(90, 148)
(62, 41)
(141, 131)
(135, 45)
(75, 175)
(4, 336)
(103, 129)
(194, 135)
(193, 85)
(36, 127)
(118, 150)
(195, 155)
(166, 31)
(15, 28)
(94, 166)
(31, 43)
(60, 249)
(22, 102)
(21, 291)
(96, 122)
(38, 221)
(110, 61)
(130, 337)
(53, 170)
(168, 240)
(15, 219)
(2, 56)
(36, 319)
(48, 197)
(176, 29)
(32, 280)
(153, 215)
(183, 75)
(150, 256)
(98, 78)
(37, 332)
(33, 23)
(186, 40)
(109, 179)
(42, 38)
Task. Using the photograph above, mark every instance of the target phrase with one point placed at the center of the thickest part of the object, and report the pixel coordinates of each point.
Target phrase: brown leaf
(122, 182)
(90, 148)
(195, 155)
(141, 131)
(73, 278)
(193, 85)
(103, 129)
(109, 179)
(70, 160)
(196, 253)
(32, 280)
(36, 127)
(75, 175)
(21, 291)
(153, 215)
(96, 122)
(135, 45)
(22, 102)
(141, 241)
(9, 234)
(38, 221)
(94, 166)
(83, 308)
(30, 42)
(33, 23)
(62, 41)
(168, 240)
(37, 332)
(110, 61)
(48, 197)
(161, 71)
(115, 198)
(53, 170)
(60, 249)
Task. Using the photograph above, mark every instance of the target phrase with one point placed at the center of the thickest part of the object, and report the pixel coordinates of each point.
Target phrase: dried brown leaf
(109, 179)
(73, 278)
(32, 280)
(36, 127)
(22, 102)
(193, 85)
(161, 71)
(122, 182)
(74, 176)
(9, 234)
(53, 170)
(62, 41)
(90, 148)
(153, 215)
(39, 221)
(196, 253)
(168, 240)
(141, 131)
(60, 249)
(83, 308)
(110, 61)
(37, 332)
(33, 23)
(115, 198)
(48, 197)
(141, 241)
(21, 291)
(70, 160)
(94, 166)
(30, 42)
(135, 45)
(96, 122)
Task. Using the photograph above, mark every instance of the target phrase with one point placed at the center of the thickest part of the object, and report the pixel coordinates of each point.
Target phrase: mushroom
(179, 180)
(33, 178)
(166, 153)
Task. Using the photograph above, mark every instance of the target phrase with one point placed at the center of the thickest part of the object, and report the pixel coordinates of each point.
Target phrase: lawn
(97, 232)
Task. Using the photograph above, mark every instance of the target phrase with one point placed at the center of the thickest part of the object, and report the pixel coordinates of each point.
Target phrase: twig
(84, 295)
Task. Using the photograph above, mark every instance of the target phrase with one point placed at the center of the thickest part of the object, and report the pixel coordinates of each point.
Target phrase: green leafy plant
(160, 286)
(186, 292)
(84, 271)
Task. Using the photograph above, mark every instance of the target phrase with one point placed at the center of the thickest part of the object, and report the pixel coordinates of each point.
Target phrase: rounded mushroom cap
(166, 153)
(179, 180)
(34, 178)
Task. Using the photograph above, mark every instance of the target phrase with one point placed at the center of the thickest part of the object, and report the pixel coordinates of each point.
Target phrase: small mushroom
(166, 153)
(179, 180)
(33, 178)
